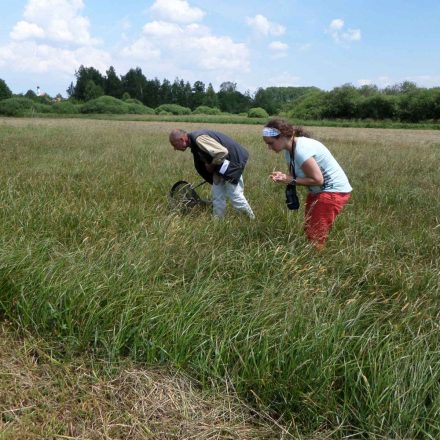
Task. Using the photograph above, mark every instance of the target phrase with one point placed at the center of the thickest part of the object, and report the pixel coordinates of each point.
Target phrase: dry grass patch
(43, 398)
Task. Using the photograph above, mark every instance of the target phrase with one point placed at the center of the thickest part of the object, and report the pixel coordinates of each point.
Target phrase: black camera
(292, 200)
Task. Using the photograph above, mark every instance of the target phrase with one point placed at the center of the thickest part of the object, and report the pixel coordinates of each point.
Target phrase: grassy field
(229, 118)
(345, 341)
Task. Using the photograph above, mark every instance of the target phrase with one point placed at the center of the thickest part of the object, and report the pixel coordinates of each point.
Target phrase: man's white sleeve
(216, 150)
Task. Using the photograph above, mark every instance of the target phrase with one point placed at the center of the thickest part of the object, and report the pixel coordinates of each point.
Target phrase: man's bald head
(179, 139)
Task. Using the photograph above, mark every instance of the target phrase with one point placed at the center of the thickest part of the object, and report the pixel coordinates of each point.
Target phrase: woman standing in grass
(312, 165)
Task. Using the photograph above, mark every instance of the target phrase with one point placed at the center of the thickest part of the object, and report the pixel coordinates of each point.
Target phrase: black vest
(237, 156)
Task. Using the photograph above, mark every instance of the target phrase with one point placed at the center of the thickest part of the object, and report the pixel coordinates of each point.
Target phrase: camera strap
(292, 162)
(292, 200)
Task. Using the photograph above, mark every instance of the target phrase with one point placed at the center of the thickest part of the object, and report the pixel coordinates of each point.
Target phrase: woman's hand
(279, 177)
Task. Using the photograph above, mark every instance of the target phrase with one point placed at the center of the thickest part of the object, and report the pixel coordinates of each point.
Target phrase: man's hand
(210, 167)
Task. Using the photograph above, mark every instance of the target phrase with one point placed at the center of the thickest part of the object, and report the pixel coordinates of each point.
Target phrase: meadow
(344, 342)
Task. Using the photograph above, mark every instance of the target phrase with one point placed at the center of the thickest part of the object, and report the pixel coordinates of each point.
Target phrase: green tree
(210, 99)
(228, 86)
(187, 93)
(5, 91)
(309, 106)
(198, 94)
(377, 106)
(403, 87)
(181, 93)
(276, 99)
(92, 91)
(113, 84)
(166, 92)
(83, 76)
(232, 101)
(436, 103)
(31, 95)
(416, 105)
(342, 102)
(264, 100)
(71, 91)
(152, 93)
(368, 90)
(135, 84)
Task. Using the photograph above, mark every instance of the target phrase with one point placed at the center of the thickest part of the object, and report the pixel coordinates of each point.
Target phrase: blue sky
(252, 43)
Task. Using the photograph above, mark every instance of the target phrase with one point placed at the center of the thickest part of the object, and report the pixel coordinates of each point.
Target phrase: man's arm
(216, 150)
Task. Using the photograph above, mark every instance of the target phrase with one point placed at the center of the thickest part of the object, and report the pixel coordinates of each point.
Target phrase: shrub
(105, 104)
(377, 106)
(174, 109)
(309, 106)
(205, 110)
(258, 112)
(133, 101)
(139, 109)
(43, 99)
(40, 108)
(66, 107)
(15, 106)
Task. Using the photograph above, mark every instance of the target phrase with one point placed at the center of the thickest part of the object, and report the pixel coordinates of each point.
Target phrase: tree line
(401, 102)
(90, 84)
(404, 102)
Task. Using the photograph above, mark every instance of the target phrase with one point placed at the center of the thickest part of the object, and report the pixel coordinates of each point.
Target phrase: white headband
(270, 132)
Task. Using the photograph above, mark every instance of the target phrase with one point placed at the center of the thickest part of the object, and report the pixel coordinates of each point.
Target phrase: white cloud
(24, 30)
(365, 82)
(178, 11)
(141, 49)
(425, 80)
(284, 79)
(31, 57)
(161, 29)
(336, 24)
(278, 45)
(385, 81)
(53, 37)
(279, 49)
(261, 25)
(220, 53)
(187, 45)
(352, 35)
(340, 36)
(56, 20)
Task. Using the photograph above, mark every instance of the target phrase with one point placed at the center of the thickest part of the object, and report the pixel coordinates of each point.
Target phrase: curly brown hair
(286, 129)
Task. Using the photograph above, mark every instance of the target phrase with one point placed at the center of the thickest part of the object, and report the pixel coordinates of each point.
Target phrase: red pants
(320, 213)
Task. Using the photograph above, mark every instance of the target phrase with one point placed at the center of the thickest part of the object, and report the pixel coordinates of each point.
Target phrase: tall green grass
(230, 118)
(345, 341)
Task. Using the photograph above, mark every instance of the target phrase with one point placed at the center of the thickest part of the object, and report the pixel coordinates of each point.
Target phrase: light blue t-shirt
(335, 180)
